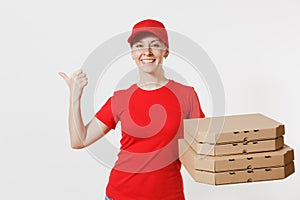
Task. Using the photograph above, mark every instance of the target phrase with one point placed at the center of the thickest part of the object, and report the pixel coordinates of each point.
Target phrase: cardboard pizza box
(234, 148)
(235, 162)
(240, 176)
(235, 128)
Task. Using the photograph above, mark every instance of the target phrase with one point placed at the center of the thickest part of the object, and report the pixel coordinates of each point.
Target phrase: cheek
(134, 55)
(159, 54)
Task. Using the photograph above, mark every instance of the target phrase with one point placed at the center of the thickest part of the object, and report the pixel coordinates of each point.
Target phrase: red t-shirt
(151, 122)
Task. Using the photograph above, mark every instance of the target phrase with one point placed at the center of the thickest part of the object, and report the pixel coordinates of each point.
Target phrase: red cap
(149, 25)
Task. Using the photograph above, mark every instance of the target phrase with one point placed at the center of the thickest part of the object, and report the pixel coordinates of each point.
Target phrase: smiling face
(148, 52)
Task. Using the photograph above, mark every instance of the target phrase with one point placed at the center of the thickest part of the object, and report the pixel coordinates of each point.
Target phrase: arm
(195, 107)
(81, 135)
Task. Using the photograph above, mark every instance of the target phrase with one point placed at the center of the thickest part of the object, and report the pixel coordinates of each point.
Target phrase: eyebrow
(155, 41)
(150, 42)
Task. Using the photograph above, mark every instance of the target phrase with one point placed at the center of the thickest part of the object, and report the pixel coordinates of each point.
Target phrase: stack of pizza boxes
(235, 149)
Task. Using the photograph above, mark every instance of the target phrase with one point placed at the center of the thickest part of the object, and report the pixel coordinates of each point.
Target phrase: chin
(148, 71)
(148, 68)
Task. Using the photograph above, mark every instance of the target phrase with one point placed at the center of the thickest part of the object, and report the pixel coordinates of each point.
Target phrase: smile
(148, 60)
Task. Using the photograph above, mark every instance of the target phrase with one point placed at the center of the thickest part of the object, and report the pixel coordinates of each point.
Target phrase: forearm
(77, 128)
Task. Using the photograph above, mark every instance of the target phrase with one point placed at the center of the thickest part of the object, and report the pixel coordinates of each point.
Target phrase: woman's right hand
(76, 83)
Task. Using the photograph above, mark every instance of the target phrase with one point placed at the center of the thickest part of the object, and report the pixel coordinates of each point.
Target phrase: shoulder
(123, 93)
(180, 85)
(182, 88)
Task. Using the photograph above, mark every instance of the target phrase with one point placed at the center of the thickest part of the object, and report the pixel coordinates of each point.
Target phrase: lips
(147, 61)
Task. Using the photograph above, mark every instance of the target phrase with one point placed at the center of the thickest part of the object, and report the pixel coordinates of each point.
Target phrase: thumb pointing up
(64, 76)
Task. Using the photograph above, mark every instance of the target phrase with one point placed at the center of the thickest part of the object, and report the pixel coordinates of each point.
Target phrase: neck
(151, 81)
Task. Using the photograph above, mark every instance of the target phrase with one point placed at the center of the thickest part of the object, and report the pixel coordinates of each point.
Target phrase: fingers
(83, 79)
(84, 82)
(76, 73)
(80, 77)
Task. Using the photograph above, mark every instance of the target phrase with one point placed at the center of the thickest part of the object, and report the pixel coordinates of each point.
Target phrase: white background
(255, 46)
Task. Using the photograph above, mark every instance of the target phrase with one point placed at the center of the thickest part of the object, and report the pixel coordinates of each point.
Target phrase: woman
(151, 113)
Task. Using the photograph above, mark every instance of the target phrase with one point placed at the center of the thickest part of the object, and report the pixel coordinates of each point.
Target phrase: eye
(138, 45)
(155, 45)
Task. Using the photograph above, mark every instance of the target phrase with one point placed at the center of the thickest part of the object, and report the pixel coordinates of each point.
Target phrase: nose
(148, 51)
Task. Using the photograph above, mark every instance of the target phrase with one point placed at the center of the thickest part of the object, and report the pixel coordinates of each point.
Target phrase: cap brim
(138, 32)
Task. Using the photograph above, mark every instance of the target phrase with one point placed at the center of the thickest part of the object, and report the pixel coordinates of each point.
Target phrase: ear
(166, 53)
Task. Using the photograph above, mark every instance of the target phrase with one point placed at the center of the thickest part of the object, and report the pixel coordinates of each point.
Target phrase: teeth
(148, 61)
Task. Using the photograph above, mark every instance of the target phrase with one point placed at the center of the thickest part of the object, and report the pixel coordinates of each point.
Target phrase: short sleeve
(195, 107)
(105, 115)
